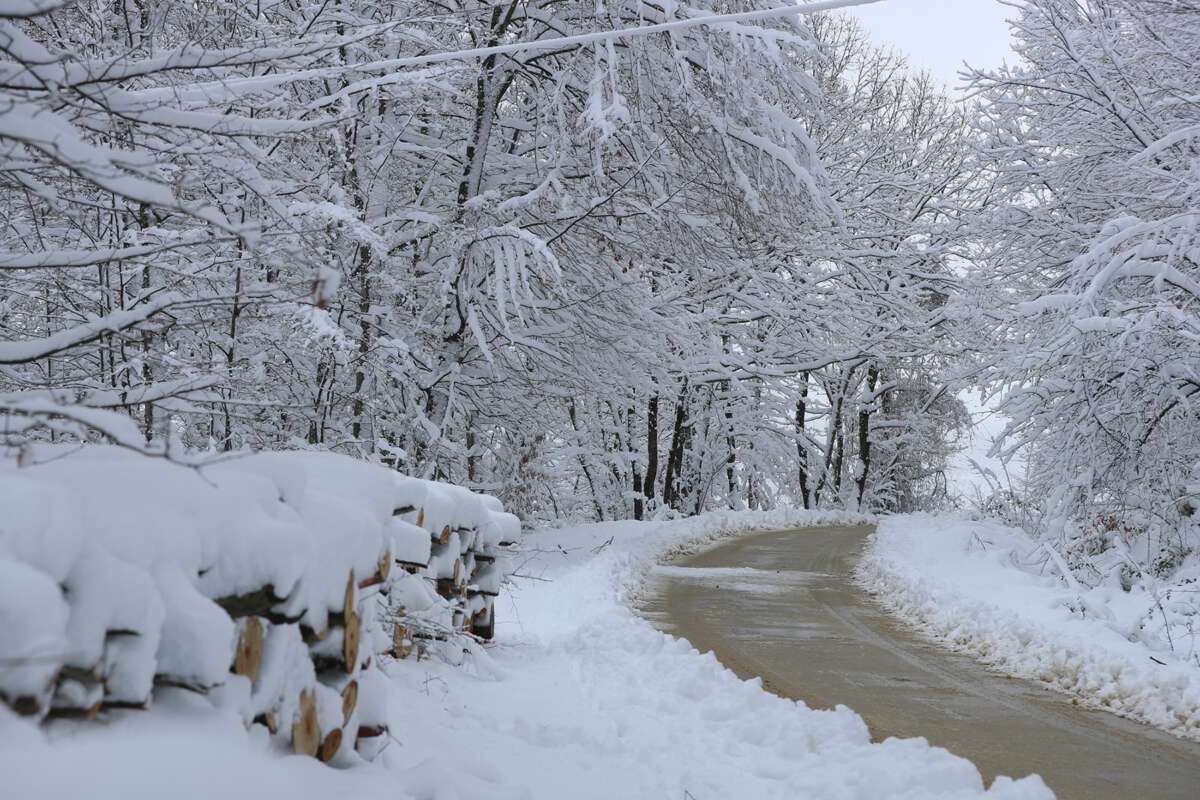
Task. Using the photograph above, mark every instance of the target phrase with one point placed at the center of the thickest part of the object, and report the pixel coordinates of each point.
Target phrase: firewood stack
(463, 535)
(275, 585)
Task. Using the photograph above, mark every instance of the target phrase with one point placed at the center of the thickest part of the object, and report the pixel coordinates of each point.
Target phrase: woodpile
(337, 566)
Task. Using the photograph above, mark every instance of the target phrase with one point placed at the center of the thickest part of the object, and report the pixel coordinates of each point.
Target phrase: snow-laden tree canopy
(697, 266)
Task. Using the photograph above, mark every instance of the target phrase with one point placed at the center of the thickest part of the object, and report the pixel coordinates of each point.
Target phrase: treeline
(705, 267)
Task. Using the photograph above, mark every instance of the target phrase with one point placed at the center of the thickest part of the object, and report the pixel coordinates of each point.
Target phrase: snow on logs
(273, 583)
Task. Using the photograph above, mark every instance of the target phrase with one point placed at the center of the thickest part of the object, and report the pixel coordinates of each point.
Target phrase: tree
(1091, 233)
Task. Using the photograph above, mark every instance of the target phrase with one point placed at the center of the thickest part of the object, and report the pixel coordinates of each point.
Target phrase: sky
(940, 34)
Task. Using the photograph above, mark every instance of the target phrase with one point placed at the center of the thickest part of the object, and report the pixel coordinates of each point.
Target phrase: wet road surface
(783, 607)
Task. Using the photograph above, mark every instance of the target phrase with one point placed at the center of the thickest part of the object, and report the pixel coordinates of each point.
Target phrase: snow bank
(577, 697)
(582, 698)
(270, 583)
(990, 591)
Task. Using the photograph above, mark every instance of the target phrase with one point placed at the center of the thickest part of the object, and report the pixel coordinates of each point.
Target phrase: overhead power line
(614, 34)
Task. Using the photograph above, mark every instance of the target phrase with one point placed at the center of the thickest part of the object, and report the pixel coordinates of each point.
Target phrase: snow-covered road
(783, 606)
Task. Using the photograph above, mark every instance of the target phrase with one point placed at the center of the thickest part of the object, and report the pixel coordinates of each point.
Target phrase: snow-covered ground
(578, 698)
(989, 590)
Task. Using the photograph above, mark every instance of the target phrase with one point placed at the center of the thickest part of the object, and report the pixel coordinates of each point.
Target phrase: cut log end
(248, 659)
(349, 701)
(306, 733)
(382, 571)
(402, 645)
(330, 745)
(352, 634)
(483, 624)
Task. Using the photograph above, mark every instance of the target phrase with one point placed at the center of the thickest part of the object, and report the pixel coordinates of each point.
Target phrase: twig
(530, 577)
(600, 547)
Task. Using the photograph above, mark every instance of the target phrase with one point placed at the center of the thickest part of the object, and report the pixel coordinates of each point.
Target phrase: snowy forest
(734, 265)
(618, 260)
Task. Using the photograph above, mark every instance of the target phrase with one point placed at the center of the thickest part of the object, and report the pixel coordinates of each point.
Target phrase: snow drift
(990, 591)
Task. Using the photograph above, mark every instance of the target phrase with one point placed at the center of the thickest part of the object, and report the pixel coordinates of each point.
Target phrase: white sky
(939, 35)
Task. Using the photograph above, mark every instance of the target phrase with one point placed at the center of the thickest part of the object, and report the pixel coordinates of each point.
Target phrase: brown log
(88, 677)
(330, 746)
(306, 732)
(444, 539)
(352, 633)
(311, 637)
(381, 572)
(25, 705)
(76, 686)
(71, 712)
(371, 731)
(269, 720)
(349, 701)
(248, 658)
(421, 518)
(172, 682)
(255, 604)
(483, 623)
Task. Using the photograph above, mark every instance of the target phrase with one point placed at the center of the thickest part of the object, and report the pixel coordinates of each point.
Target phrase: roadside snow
(579, 698)
(988, 590)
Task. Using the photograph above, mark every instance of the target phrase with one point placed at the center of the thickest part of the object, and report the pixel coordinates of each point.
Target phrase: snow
(579, 697)
(33, 617)
(988, 590)
(198, 637)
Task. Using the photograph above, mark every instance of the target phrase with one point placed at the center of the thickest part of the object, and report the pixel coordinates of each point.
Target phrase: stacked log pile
(274, 584)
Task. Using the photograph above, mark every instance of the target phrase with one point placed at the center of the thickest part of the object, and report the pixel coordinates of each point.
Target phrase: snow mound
(267, 583)
(971, 584)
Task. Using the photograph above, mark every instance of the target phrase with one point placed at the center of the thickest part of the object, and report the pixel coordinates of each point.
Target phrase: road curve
(783, 607)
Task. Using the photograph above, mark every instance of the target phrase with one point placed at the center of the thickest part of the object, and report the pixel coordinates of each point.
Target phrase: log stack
(466, 534)
(274, 584)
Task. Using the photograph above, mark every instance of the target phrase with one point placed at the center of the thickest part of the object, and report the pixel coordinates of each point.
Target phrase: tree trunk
(802, 441)
(587, 473)
(675, 456)
(864, 432)
(650, 479)
(638, 489)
